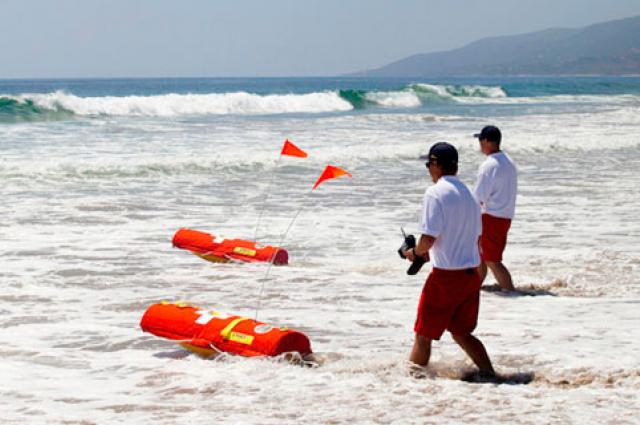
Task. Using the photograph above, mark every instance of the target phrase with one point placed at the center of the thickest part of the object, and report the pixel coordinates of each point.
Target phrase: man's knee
(493, 265)
(461, 338)
(456, 337)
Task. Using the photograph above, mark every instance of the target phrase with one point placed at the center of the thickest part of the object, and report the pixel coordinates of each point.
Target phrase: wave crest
(168, 105)
(452, 91)
(17, 109)
(61, 105)
(419, 94)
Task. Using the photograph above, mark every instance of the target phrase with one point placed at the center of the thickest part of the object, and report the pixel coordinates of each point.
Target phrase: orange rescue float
(206, 246)
(208, 332)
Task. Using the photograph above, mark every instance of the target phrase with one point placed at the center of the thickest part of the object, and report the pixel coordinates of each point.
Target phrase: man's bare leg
(421, 351)
(501, 274)
(475, 349)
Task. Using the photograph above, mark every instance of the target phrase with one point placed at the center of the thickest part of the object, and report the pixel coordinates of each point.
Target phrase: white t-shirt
(451, 215)
(497, 185)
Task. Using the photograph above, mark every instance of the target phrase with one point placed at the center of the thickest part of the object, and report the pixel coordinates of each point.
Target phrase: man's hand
(418, 255)
(424, 245)
(422, 250)
(409, 254)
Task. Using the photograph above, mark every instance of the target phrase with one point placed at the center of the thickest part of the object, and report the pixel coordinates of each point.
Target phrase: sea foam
(167, 105)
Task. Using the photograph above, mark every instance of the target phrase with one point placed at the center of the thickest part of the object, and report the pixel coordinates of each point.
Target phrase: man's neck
(446, 175)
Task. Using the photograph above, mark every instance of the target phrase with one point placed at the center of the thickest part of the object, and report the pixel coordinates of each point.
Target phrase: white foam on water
(462, 91)
(622, 99)
(402, 99)
(169, 105)
(357, 140)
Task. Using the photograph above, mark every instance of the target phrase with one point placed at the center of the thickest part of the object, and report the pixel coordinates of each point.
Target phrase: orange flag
(330, 172)
(292, 150)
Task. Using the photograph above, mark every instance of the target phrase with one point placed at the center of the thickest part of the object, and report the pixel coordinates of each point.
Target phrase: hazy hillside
(607, 48)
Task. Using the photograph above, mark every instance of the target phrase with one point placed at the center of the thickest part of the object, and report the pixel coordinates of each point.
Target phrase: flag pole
(266, 197)
(284, 235)
(288, 148)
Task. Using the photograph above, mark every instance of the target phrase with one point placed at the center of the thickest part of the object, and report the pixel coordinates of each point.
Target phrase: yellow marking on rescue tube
(204, 352)
(244, 251)
(212, 258)
(241, 338)
(225, 333)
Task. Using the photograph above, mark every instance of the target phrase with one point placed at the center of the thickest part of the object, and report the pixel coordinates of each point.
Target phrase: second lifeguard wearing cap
(490, 133)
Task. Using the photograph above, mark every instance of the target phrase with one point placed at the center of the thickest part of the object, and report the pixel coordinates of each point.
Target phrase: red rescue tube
(206, 332)
(209, 248)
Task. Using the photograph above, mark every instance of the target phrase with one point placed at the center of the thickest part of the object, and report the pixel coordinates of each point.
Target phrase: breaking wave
(39, 106)
(19, 110)
(461, 91)
(61, 105)
(416, 95)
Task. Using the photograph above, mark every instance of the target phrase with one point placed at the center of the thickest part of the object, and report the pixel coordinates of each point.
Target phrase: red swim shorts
(494, 237)
(450, 301)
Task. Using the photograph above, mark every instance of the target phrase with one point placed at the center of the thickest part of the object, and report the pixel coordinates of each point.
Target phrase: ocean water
(97, 175)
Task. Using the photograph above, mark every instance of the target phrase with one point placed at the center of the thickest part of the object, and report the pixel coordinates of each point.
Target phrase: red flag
(330, 172)
(292, 150)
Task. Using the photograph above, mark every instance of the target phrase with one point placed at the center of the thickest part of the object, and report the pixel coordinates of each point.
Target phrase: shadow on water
(521, 291)
(517, 378)
(174, 354)
(292, 358)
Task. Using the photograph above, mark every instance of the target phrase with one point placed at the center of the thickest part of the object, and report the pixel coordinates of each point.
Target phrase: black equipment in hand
(410, 243)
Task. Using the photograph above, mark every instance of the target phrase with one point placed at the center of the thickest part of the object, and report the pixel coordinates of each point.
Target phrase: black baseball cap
(443, 153)
(491, 133)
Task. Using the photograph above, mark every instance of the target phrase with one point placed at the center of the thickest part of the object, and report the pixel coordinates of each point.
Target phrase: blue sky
(239, 38)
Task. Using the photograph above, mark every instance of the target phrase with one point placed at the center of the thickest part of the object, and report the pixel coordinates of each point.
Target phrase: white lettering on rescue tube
(207, 316)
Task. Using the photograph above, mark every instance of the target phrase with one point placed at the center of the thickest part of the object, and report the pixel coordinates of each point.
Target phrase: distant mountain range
(609, 48)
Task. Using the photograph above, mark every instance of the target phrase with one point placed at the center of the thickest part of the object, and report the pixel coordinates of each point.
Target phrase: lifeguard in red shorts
(450, 227)
(495, 190)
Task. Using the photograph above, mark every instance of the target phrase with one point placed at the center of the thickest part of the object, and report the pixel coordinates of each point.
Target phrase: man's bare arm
(422, 249)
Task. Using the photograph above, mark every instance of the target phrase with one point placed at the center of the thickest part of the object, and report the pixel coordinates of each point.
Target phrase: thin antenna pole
(284, 235)
(266, 197)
